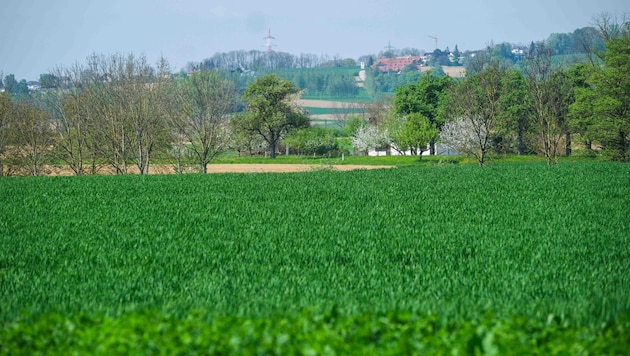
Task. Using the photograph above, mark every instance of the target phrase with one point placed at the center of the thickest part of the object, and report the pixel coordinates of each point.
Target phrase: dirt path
(221, 168)
(327, 104)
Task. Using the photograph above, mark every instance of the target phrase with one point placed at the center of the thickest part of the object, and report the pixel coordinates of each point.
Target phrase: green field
(443, 258)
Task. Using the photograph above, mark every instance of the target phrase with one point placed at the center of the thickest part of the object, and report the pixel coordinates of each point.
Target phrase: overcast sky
(38, 35)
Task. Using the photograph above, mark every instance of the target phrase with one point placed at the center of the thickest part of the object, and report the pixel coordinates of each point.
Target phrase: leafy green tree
(352, 124)
(611, 106)
(514, 122)
(312, 140)
(423, 97)
(14, 87)
(271, 110)
(412, 132)
(581, 117)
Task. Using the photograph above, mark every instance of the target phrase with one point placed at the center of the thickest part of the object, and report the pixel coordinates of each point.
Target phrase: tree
(352, 124)
(271, 110)
(69, 110)
(515, 116)
(477, 101)
(581, 116)
(14, 87)
(111, 134)
(6, 114)
(550, 91)
(611, 106)
(205, 101)
(417, 132)
(369, 136)
(423, 97)
(31, 136)
(49, 80)
(461, 135)
(312, 140)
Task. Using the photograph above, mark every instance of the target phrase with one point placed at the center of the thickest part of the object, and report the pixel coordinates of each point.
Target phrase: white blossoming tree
(369, 136)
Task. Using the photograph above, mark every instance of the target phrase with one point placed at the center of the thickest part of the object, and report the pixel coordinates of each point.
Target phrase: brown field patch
(61, 170)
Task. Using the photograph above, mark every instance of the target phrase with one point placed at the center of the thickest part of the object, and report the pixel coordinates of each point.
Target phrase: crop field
(515, 257)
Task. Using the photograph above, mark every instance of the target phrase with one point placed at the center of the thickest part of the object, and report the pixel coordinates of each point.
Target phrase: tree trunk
(567, 146)
(521, 142)
(272, 148)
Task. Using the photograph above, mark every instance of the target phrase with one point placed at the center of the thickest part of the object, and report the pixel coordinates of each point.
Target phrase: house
(33, 85)
(397, 64)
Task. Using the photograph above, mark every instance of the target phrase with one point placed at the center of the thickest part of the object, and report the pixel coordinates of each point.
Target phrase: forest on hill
(335, 77)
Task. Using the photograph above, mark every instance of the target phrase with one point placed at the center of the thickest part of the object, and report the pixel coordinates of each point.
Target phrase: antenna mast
(269, 39)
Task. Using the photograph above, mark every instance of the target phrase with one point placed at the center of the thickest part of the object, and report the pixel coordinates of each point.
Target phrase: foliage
(423, 97)
(309, 332)
(312, 140)
(460, 136)
(610, 99)
(352, 124)
(368, 137)
(412, 132)
(15, 87)
(476, 105)
(271, 111)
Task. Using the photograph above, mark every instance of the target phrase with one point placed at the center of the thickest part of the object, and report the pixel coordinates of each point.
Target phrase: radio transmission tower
(268, 40)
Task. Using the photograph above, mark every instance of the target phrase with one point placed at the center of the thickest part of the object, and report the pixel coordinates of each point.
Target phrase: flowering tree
(369, 136)
(463, 136)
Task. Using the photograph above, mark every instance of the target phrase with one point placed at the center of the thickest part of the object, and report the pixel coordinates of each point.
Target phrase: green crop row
(308, 333)
(453, 241)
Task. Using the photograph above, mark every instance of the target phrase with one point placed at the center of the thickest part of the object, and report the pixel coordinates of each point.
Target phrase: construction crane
(436, 41)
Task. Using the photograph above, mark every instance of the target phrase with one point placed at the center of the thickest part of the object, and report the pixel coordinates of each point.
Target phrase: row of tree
(120, 111)
(543, 107)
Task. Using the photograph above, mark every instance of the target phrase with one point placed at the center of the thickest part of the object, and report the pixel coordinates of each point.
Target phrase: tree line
(540, 107)
(119, 111)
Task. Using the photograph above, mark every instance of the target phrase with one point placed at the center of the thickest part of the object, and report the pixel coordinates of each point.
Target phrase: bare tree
(68, 105)
(549, 89)
(345, 109)
(205, 101)
(477, 100)
(6, 113)
(31, 136)
(111, 135)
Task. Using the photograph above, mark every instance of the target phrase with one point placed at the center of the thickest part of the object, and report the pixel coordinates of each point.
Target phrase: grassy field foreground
(416, 259)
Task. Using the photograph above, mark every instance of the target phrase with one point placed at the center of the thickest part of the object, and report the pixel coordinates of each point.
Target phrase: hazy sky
(38, 35)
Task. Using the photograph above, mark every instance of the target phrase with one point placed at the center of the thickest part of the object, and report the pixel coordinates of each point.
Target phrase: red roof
(396, 64)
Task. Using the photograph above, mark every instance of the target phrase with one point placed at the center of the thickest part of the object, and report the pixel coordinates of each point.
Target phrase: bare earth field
(326, 104)
(221, 168)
